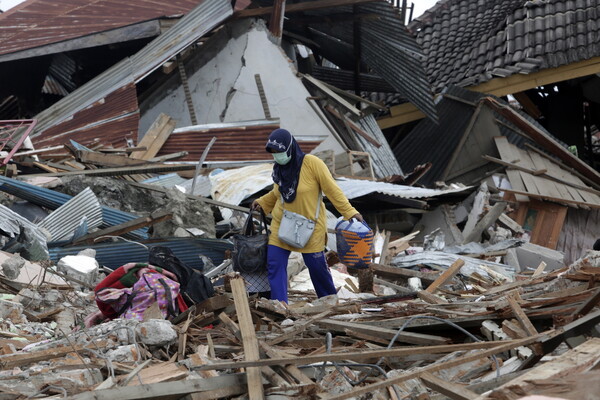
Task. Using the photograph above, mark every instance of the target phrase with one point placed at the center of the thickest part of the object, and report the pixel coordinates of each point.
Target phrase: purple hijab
(286, 176)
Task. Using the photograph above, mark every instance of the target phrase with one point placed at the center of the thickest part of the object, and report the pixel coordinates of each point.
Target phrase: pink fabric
(146, 291)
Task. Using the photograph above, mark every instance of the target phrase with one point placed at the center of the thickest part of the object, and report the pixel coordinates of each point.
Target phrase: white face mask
(282, 158)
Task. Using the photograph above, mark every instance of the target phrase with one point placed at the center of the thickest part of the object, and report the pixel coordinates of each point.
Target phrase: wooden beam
(521, 316)
(541, 173)
(298, 7)
(446, 275)
(209, 388)
(106, 160)
(407, 112)
(155, 137)
(550, 198)
(276, 21)
(141, 169)
(125, 227)
(251, 352)
(588, 305)
(19, 359)
(452, 390)
(401, 273)
(352, 125)
(400, 352)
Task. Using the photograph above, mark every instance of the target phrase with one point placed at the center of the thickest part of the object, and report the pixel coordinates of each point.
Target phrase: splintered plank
(400, 352)
(449, 389)
(156, 136)
(251, 352)
(575, 361)
(521, 316)
(446, 276)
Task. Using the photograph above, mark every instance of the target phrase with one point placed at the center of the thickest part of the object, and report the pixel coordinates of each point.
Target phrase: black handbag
(250, 246)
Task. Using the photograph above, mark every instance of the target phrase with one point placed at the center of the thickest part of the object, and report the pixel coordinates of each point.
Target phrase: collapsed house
(147, 133)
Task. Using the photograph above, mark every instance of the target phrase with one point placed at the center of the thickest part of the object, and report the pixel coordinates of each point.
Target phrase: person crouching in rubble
(299, 180)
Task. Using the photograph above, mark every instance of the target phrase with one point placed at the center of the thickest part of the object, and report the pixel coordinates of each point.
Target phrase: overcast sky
(6, 4)
(420, 5)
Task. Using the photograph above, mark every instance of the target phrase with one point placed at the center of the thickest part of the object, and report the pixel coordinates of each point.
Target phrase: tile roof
(36, 23)
(468, 42)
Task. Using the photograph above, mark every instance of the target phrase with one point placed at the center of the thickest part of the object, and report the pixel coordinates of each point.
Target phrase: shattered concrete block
(80, 267)
(9, 308)
(72, 381)
(156, 332)
(127, 353)
(531, 255)
(51, 298)
(12, 266)
(29, 299)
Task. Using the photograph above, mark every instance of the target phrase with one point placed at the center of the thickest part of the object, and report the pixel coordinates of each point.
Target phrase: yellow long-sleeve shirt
(314, 177)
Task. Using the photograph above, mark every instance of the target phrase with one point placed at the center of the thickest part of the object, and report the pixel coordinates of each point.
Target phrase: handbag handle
(248, 228)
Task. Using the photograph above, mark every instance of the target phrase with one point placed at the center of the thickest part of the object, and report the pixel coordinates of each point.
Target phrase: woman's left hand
(358, 217)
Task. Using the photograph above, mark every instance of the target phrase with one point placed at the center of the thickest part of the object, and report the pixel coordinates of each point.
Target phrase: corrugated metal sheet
(42, 22)
(387, 47)
(52, 200)
(10, 222)
(344, 79)
(237, 141)
(166, 181)
(234, 185)
(115, 254)
(111, 120)
(354, 188)
(382, 158)
(64, 220)
(131, 70)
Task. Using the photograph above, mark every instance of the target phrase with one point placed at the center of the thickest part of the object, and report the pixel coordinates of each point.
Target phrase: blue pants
(277, 262)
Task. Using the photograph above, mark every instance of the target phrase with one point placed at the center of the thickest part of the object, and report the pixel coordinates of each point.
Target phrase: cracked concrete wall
(221, 79)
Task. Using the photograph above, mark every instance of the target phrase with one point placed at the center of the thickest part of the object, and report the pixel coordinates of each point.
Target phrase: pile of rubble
(430, 321)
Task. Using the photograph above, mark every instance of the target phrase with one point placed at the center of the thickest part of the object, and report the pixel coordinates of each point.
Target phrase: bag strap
(318, 204)
(248, 228)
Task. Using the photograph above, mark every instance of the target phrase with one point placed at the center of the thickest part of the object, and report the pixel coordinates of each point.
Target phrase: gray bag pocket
(295, 229)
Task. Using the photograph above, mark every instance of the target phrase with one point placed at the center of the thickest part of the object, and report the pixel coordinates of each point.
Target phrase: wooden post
(276, 22)
(250, 343)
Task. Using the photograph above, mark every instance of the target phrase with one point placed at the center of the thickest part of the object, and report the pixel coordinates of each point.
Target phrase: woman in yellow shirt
(299, 180)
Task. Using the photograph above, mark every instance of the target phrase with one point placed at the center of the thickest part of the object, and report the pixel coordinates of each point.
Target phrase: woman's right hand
(255, 206)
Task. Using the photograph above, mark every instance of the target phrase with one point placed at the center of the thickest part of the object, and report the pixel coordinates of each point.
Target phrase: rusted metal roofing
(89, 103)
(111, 119)
(37, 23)
(238, 141)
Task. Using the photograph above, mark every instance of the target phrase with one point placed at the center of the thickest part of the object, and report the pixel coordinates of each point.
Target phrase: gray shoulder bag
(295, 229)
